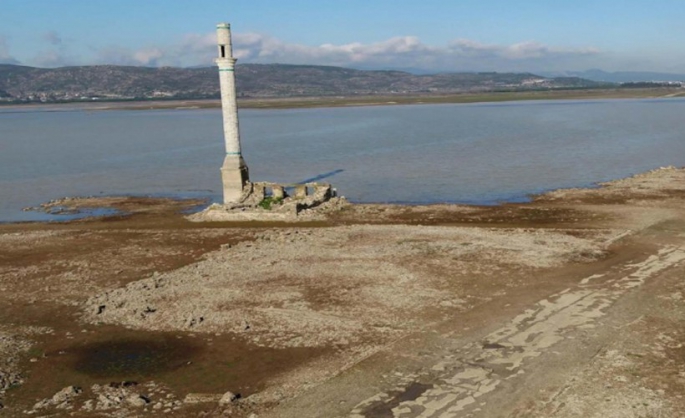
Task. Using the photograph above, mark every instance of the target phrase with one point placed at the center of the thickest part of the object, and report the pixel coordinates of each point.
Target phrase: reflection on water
(473, 153)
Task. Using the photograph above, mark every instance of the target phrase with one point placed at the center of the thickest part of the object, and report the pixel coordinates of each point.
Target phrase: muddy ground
(571, 305)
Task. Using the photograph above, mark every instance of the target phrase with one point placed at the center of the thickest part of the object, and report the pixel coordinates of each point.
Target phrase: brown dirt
(321, 316)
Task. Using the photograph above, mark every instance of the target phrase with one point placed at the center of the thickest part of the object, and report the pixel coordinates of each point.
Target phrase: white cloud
(50, 59)
(5, 57)
(52, 37)
(518, 51)
(149, 56)
(55, 52)
(407, 52)
(252, 47)
(397, 52)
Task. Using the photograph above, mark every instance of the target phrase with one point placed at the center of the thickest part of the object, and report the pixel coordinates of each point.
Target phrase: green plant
(269, 201)
(13, 386)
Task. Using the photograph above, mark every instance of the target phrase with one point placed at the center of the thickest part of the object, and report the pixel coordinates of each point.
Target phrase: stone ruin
(259, 201)
(265, 201)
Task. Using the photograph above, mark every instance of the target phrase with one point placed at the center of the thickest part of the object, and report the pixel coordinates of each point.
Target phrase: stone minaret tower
(234, 173)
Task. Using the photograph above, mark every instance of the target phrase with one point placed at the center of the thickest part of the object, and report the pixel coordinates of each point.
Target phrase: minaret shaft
(229, 108)
(234, 172)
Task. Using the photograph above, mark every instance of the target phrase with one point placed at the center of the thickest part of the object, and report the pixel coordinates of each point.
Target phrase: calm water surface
(474, 153)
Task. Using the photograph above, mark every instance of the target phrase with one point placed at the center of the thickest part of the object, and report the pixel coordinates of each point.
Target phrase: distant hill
(108, 82)
(621, 76)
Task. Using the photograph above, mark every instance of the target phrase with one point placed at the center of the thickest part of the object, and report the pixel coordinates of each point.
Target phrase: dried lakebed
(570, 305)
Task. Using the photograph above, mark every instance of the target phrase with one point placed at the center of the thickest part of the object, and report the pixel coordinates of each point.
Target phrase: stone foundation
(264, 201)
(235, 178)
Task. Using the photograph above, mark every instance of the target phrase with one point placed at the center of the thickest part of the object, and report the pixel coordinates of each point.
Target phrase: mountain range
(21, 84)
(619, 76)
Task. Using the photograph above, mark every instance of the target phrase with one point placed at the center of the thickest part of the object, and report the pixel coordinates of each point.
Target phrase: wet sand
(567, 305)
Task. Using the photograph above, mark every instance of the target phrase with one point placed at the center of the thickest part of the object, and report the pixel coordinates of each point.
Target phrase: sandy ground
(571, 305)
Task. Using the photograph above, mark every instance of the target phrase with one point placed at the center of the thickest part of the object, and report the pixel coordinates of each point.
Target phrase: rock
(88, 405)
(119, 395)
(65, 405)
(124, 384)
(228, 397)
(41, 404)
(61, 399)
(193, 398)
(7, 379)
(192, 321)
(107, 402)
(137, 401)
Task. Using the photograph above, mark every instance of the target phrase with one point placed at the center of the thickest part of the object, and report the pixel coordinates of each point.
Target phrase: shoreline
(83, 211)
(54, 211)
(357, 101)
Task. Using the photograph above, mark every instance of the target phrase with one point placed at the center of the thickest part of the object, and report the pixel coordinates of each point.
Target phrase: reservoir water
(469, 153)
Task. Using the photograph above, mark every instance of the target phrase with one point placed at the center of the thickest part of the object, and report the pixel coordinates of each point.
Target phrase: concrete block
(301, 191)
(278, 192)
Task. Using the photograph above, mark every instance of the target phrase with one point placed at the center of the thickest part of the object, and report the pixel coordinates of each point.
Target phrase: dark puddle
(133, 357)
(184, 362)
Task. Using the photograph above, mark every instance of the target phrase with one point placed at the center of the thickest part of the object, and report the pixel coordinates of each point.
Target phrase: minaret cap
(223, 33)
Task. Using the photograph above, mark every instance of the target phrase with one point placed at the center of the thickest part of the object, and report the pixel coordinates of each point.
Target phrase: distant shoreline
(352, 101)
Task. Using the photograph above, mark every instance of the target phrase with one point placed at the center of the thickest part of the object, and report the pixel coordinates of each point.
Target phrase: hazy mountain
(28, 84)
(620, 76)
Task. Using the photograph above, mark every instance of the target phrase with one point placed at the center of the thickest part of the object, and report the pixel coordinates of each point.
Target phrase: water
(470, 153)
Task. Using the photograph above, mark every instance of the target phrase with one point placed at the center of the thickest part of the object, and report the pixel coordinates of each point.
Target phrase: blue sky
(456, 35)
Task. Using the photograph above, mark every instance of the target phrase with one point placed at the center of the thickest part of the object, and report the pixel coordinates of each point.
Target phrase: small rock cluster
(223, 400)
(64, 399)
(121, 396)
(116, 395)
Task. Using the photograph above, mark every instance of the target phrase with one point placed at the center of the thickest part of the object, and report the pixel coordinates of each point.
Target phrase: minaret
(234, 173)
